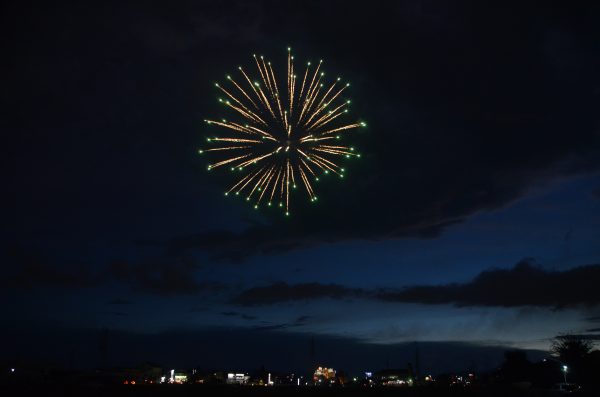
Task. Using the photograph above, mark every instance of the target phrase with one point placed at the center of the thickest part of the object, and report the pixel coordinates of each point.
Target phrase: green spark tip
(226, 194)
(200, 151)
(247, 198)
(287, 214)
(358, 155)
(326, 171)
(317, 179)
(269, 204)
(281, 204)
(256, 207)
(237, 193)
(289, 48)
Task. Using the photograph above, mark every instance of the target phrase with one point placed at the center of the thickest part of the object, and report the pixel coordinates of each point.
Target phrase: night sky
(470, 225)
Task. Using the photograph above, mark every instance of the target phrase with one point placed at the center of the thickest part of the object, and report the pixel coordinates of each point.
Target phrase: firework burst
(287, 136)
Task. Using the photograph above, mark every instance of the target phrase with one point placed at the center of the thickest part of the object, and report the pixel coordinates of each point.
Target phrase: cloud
(159, 276)
(29, 269)
(240, 315)
(303, 319)
(593, 337)
(119, 314)
(524, 285)
(119, 301)
(283, 292)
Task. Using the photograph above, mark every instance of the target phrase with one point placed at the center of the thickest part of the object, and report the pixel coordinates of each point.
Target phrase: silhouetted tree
(571, 349)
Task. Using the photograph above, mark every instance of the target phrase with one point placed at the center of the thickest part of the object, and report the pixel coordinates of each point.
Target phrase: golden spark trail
(266, 186)
(276, 91)
(234, 140)
(346, 127)
(304, 81)
(268, 79)
(250, 180)
(242, 91)
(310, 88)
(258, 183)
(329, 118)
(226, 148)
(325, 116)
(220, 163)
(275, 185)
(307, 167)
(250, 176)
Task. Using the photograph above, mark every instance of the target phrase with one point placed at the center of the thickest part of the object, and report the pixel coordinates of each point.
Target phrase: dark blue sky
(471, 223)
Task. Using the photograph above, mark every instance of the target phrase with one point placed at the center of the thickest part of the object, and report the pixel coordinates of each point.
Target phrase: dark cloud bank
(523, 285)
(526, 284)
(162, 276)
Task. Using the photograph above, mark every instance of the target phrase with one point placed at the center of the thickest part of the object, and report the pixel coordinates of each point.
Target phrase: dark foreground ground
(202, 390)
